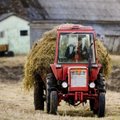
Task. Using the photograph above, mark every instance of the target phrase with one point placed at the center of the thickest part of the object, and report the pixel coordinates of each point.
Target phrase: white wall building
(15, 32)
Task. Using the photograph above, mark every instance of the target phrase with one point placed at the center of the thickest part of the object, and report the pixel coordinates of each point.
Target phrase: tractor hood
(61, 71)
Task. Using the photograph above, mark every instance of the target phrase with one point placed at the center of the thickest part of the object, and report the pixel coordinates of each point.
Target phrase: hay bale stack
(40, 58)
(104, 58)
(42, 55)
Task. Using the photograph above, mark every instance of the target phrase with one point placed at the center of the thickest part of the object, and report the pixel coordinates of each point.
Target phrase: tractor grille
(78, 78)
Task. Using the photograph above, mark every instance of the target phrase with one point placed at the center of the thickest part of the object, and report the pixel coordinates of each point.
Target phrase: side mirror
(89, 52)
(91, 45)
(89, 59)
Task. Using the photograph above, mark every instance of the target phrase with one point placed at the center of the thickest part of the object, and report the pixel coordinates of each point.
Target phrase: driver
(78, 52)
(70, 51)
(82, 50)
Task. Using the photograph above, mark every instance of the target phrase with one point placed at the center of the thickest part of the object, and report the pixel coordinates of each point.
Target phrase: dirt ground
(15, 104)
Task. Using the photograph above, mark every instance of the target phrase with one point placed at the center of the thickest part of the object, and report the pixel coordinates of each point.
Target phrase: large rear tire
(48, 101)
(50, 83)
(53, 102)
(101, 105)
(38, 95)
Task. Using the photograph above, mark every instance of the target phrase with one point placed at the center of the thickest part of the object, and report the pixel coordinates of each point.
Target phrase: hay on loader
(40, 58)
(104, 58)
(42, 55)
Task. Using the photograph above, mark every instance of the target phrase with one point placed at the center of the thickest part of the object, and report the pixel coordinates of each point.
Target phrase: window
(76, 48)
(23, 33)
(2, 34)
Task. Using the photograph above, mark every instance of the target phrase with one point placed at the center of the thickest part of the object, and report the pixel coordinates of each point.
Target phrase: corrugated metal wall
(106, 31)
(36, 34)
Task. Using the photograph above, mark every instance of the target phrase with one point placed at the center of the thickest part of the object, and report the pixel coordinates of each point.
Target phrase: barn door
(24, 41)
(12, 40)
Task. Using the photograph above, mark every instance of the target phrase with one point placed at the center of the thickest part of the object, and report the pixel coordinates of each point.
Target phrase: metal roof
(91, 10)
(6, 15)
(65, 10)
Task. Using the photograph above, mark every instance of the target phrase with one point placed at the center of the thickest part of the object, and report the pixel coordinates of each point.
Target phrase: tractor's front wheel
(91, 102)
(50, 85)
(53, 102)
(49, 80)
(101, 105)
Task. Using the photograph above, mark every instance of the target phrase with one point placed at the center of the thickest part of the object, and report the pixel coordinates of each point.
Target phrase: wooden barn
(103, 15)
(15, 32)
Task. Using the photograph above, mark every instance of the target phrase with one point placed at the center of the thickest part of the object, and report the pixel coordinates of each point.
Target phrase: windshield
(75, 48)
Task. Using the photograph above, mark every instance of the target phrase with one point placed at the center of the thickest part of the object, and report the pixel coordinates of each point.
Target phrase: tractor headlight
(64, 84)
(92, 85)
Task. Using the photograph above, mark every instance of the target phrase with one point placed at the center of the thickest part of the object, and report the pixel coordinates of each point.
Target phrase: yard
(15, 104)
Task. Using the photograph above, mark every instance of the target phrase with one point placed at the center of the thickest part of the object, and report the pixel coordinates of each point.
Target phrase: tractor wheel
(92, 105)
(91, 102)
(50, 83)
(53, 102)
(38, 95)
(10, 54)
(2, 54)
(101, 105)
(48, 100)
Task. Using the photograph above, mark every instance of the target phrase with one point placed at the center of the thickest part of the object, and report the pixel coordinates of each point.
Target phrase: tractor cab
(75, 47)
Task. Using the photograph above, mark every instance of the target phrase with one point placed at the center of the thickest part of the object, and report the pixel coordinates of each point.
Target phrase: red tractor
(76, 75)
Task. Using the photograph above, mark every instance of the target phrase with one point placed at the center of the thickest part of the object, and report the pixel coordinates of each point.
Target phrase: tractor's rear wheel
(101, 105)
(48, 100)
(38, 95)
(53, 102)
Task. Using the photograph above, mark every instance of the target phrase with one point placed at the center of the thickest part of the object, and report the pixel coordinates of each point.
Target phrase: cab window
(75, 48)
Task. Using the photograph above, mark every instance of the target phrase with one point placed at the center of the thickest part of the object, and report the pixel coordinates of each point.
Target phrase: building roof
(32, 9)
(64, 10)
(6, 15)
(89, 10)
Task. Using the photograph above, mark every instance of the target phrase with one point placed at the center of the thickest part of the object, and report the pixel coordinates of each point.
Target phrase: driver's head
(79, 40)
